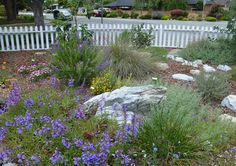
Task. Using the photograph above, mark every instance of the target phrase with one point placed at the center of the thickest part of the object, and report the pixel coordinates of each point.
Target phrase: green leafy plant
(212, 86)
(165, 17)
(134, 15)
(75, 57)
(146, 17)
(139, 38)
(211, 19)
(125, 15)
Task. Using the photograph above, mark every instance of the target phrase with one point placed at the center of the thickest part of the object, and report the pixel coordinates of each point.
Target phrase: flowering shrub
(75, 57)
(105, 82)
(37, 72)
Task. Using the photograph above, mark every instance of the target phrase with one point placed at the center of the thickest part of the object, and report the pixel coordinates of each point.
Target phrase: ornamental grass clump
(75, 56)
(127, 62)
(181, 131)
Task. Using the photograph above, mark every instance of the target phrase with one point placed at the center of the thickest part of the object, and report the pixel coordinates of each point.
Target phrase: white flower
(154, 78)
(92, 88)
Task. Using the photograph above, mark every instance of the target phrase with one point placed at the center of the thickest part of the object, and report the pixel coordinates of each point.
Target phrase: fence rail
(34, 38)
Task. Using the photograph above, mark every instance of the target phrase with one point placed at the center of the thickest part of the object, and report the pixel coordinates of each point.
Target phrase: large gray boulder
(128, 100)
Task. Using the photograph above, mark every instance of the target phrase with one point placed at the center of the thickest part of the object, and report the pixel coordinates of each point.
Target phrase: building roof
(209, 2)
(121, 3)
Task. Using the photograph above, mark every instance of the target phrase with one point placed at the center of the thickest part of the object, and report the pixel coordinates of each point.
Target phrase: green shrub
(146, 17)
(128, 62)
(214, 52)
(2, 10)
(212, 86)
(185, 19)
(125, 15)
(139, 38)
(26, 18)
(165, 17)
(134, 15)
(75, 57)
(106, 81)
(112, 14)
(180, 18)
(180, 132)
(211, 19)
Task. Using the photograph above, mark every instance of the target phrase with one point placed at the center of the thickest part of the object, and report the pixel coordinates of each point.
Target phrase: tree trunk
(37, 7)
(10, 7)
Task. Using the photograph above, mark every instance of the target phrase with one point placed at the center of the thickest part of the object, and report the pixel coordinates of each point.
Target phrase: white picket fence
(34, 38)
(26, 38)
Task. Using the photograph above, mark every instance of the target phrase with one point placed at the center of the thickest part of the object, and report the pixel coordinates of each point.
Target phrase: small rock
(170, 56)
(179, 59)
(182, 77)
(40, 53)
(163, 66)
(187, 63)
(229, 102)
(198, 62)
(228, 117)
(195, 72)
(224, 68)
(208, 69)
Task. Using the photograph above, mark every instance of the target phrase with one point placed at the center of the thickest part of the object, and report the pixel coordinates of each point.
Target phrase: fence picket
(42, 37)
(32, 37)
(6, 38)
(1, 39)
(27, 38)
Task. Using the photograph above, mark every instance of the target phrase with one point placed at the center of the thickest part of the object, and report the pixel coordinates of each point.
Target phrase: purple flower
(106, 63)
(125, 160)
(29, 103)
(5, 155)
(54, 82)
(55, 157)
(20, 157)
(35, 159)
(88, 146)
(66, 143)
(44, 118)
(94, 158)
(3, 133)
(58, 128)
(233, 149)
(14, 96)
(71, 82)
(105, 143)
(76, 161)
(82, 87)
(79, 114)
(78, 143)
(20, 130)
(8, 124)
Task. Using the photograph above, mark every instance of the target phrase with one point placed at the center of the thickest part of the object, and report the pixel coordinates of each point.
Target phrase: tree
(37, 8)
(10, 7)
